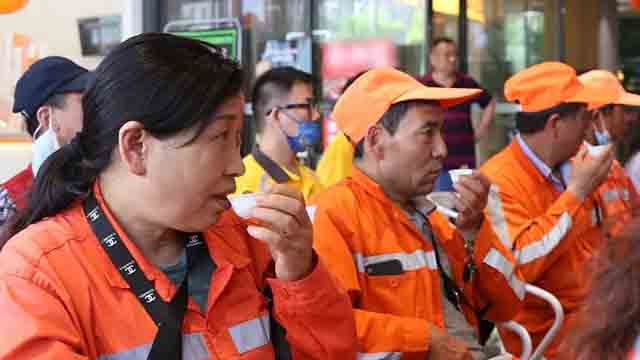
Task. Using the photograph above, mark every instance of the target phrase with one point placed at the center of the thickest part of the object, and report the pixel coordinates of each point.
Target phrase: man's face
(412, 158)
(67, 121)
(571, 131)
(444, 58)
(298, 108)
(618, 125)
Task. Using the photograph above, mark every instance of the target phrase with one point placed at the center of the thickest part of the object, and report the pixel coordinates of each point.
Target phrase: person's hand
(473, 192)
(283, 224)
(589, 171)
(443, 346)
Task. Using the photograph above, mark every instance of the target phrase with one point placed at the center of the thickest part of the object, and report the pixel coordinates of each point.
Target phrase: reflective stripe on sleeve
(251, 334)
(496, 217)
(534, 250)
(548, 242)
(379, 356)
(497, 261)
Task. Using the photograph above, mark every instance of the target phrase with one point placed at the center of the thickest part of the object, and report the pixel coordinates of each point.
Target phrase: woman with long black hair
(127, 249)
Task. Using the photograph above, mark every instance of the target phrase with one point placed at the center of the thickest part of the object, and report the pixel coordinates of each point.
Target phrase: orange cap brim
(590, 96)
(447, 97)
(625, 99)
(629, 99)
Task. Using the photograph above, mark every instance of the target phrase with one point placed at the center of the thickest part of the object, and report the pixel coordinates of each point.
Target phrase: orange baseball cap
(607, 83)
(548, 84)
(370, 96)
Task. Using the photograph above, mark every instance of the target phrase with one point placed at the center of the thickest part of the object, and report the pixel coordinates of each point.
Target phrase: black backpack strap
(270, 167)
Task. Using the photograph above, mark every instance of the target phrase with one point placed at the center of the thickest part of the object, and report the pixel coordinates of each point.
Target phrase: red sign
(343, 59)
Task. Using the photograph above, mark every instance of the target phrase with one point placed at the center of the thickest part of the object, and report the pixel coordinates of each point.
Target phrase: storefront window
(356, 35)
(506, 37)
(445, 18)
(276, 34)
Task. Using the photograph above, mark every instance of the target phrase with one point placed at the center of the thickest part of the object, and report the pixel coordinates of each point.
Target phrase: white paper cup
(444, 202)
(243, 204)
(595, 150)
(457, 173)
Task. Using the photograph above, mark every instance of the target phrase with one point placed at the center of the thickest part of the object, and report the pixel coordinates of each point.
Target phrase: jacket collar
(527, 163)
(377, 192)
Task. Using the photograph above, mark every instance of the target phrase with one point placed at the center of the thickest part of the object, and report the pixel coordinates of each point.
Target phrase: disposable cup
(595, 150)
(243, 204)
(457, 173)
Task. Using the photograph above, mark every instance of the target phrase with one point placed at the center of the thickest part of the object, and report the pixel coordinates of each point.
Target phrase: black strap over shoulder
(167, 316)
(270, 167)
(456, 296)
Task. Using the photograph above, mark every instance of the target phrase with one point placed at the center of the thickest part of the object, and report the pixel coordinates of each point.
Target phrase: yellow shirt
(337, 161)
(255, 178)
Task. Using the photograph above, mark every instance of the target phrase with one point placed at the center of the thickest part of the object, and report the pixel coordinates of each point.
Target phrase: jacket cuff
(297, 296)
(417, 336)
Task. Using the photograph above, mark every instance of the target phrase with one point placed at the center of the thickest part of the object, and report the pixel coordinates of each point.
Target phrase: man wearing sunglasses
(287, 123)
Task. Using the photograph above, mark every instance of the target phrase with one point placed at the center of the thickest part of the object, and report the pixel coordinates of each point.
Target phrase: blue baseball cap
(46, 77)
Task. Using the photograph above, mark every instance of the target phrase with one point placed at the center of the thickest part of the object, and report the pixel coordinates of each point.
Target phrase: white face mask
(602, 137)
(45, 145)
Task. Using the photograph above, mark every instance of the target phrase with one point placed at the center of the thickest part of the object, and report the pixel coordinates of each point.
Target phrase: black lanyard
(167, 316)
(453, 293)
(270, 167)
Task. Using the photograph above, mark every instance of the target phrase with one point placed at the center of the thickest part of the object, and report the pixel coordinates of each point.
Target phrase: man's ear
(133, 147)
(375, 142)
(272, 118)
(553, 125)
(43, 115)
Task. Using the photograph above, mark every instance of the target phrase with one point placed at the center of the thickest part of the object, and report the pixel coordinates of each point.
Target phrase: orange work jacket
(617, 199)
(62, 298)
(356, 226)
(553, 236)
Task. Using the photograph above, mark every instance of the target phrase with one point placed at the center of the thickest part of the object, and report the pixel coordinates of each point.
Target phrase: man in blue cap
(49, 98)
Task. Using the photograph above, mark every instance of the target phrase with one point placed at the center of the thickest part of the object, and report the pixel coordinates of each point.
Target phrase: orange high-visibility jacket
(356, 227)
(617, 199)
(552, 235)
(62, 298)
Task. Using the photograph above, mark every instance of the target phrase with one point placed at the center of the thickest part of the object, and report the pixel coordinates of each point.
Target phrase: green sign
(226, 38)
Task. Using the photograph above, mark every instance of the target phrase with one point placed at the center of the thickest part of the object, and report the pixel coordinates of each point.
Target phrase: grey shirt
(455, 322)
(199, 277)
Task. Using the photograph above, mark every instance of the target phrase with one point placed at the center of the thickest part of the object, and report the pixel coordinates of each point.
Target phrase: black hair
(533, 122)
(442, 39)
(166, 82)
(391, 119)
(272, 87)
(351, 80)
(58, 101)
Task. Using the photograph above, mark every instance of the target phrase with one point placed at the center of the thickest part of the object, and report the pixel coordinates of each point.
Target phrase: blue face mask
(309, 133)
(602, 137)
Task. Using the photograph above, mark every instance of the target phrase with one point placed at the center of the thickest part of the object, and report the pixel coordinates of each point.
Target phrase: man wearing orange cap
(611, 124)
(617, 197)
(551, 225)
(403, 263)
